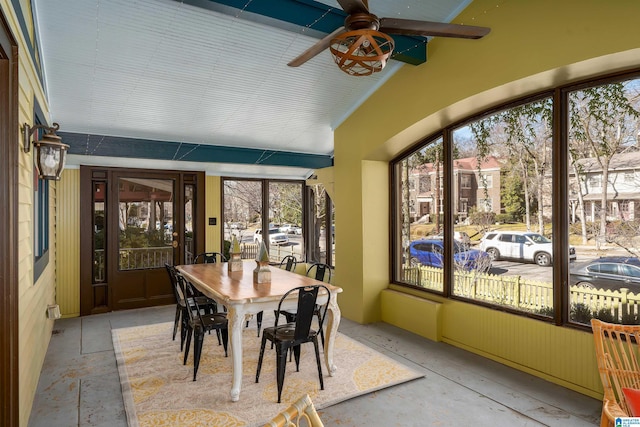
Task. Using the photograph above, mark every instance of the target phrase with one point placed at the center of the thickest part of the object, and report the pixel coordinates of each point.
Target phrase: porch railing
(156, 257)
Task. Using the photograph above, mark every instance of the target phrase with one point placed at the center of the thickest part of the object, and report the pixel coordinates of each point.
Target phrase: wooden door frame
(9, 145)
(90, 173)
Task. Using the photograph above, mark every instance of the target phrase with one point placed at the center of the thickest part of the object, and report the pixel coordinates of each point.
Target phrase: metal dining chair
(209, 258)
(291, 336)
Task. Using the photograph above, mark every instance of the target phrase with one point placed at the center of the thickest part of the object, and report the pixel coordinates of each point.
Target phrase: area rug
(159, 390)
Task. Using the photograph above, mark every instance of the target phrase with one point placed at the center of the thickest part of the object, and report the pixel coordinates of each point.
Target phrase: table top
(216, 281)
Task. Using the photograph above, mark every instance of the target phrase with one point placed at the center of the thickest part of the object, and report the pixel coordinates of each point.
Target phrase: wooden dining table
(242, 297)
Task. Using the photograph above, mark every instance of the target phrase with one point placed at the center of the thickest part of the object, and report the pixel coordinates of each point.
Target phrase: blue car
(429, 252)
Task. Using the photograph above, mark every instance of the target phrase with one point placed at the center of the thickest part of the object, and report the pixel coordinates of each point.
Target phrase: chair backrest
(307, 296)
(300, 413)
(209, 258)
(171, 270)
(289, 263)
(617, 355)
(320, 272)
(190, 301)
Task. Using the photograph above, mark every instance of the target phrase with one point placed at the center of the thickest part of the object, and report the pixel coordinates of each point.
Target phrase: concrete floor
(79, 383)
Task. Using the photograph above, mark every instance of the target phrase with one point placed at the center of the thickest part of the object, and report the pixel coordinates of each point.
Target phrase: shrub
(580, 313)
(605, 315)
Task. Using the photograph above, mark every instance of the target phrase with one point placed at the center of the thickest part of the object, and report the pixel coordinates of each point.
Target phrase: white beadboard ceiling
(166, 70)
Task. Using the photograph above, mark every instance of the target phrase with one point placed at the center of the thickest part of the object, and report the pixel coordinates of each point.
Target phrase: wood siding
(68, 243)
(34, 329)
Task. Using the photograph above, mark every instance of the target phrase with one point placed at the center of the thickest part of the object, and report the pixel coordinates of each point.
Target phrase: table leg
(236, 321)
(333, 320)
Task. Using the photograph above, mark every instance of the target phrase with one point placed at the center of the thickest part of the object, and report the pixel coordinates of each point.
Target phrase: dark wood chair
(291, 336)
(199, 324)
(209, 258)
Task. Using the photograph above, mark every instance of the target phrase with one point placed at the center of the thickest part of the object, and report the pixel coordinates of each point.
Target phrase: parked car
(521, 246)
(429, 252)
(276, 237)
(611, 273)
(460, 236)
(290, 229)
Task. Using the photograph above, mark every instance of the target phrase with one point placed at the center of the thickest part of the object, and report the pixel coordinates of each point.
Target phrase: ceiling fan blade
(321, 45)
(426, 28)
(354, 6)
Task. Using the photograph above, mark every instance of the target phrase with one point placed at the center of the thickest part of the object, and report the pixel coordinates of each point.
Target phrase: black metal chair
(209, 258)
(199, 324)
(289, 263)
(319, 272)
(205, 303)
(293, 335)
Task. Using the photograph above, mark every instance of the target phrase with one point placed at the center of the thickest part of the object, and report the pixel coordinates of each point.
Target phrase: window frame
(560, 199)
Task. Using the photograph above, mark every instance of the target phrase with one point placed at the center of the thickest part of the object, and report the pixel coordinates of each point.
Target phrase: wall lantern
(50, 151)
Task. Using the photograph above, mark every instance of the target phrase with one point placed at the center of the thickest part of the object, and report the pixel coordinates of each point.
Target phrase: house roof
(467, 164)
(619, 162)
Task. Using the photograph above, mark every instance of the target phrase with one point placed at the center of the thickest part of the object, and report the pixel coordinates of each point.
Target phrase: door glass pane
(318, 217)
(502, 200)
(99, 224)
(146, 222)
(285, 220)
(189, 218)
(243, 214)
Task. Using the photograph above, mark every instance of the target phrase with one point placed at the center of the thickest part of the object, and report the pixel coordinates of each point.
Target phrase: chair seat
(285, 332)
(211, 321)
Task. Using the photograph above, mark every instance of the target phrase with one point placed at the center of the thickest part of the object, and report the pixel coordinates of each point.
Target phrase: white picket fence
(523, 294)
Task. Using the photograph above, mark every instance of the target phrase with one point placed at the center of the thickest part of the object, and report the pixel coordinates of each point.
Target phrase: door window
(146, 223)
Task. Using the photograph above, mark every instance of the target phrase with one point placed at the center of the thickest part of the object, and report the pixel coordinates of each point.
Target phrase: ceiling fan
(362, 46)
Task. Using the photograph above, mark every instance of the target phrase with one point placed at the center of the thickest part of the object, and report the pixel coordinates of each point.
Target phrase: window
(486, 181)
(304, 212)
(595, 181)
(519, 165)
(465, 181)
(40, 224)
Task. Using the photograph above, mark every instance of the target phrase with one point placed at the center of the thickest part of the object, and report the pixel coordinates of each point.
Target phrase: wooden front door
(133, 223)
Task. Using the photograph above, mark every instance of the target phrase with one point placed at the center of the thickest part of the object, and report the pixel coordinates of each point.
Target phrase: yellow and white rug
(159, 390)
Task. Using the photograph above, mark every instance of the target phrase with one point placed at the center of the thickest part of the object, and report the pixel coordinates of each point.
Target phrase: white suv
(520, 245)
(276, 237)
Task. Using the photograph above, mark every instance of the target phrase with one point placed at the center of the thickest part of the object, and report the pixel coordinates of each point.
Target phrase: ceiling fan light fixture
(361, 52)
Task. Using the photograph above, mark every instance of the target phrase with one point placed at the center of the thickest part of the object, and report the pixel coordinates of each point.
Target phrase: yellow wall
(68, 242)
(34, 329)
(213, 209)
(532, 45)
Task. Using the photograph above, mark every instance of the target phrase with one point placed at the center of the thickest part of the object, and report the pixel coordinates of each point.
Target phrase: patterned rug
(159, 390)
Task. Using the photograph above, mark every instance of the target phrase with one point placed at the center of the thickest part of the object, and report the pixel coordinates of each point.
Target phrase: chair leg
(264, 343)
(281, 354)
(296, 352)
(225, 340)
(187, 345)
(259, 322)
(176, 320)
(184, 326)
(197, 349)
(315, 344)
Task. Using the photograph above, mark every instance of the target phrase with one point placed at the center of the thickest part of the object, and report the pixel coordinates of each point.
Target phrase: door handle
(175, 234)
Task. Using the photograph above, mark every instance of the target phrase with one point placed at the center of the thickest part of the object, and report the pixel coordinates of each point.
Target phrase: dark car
(610, 273)
(429, 252)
